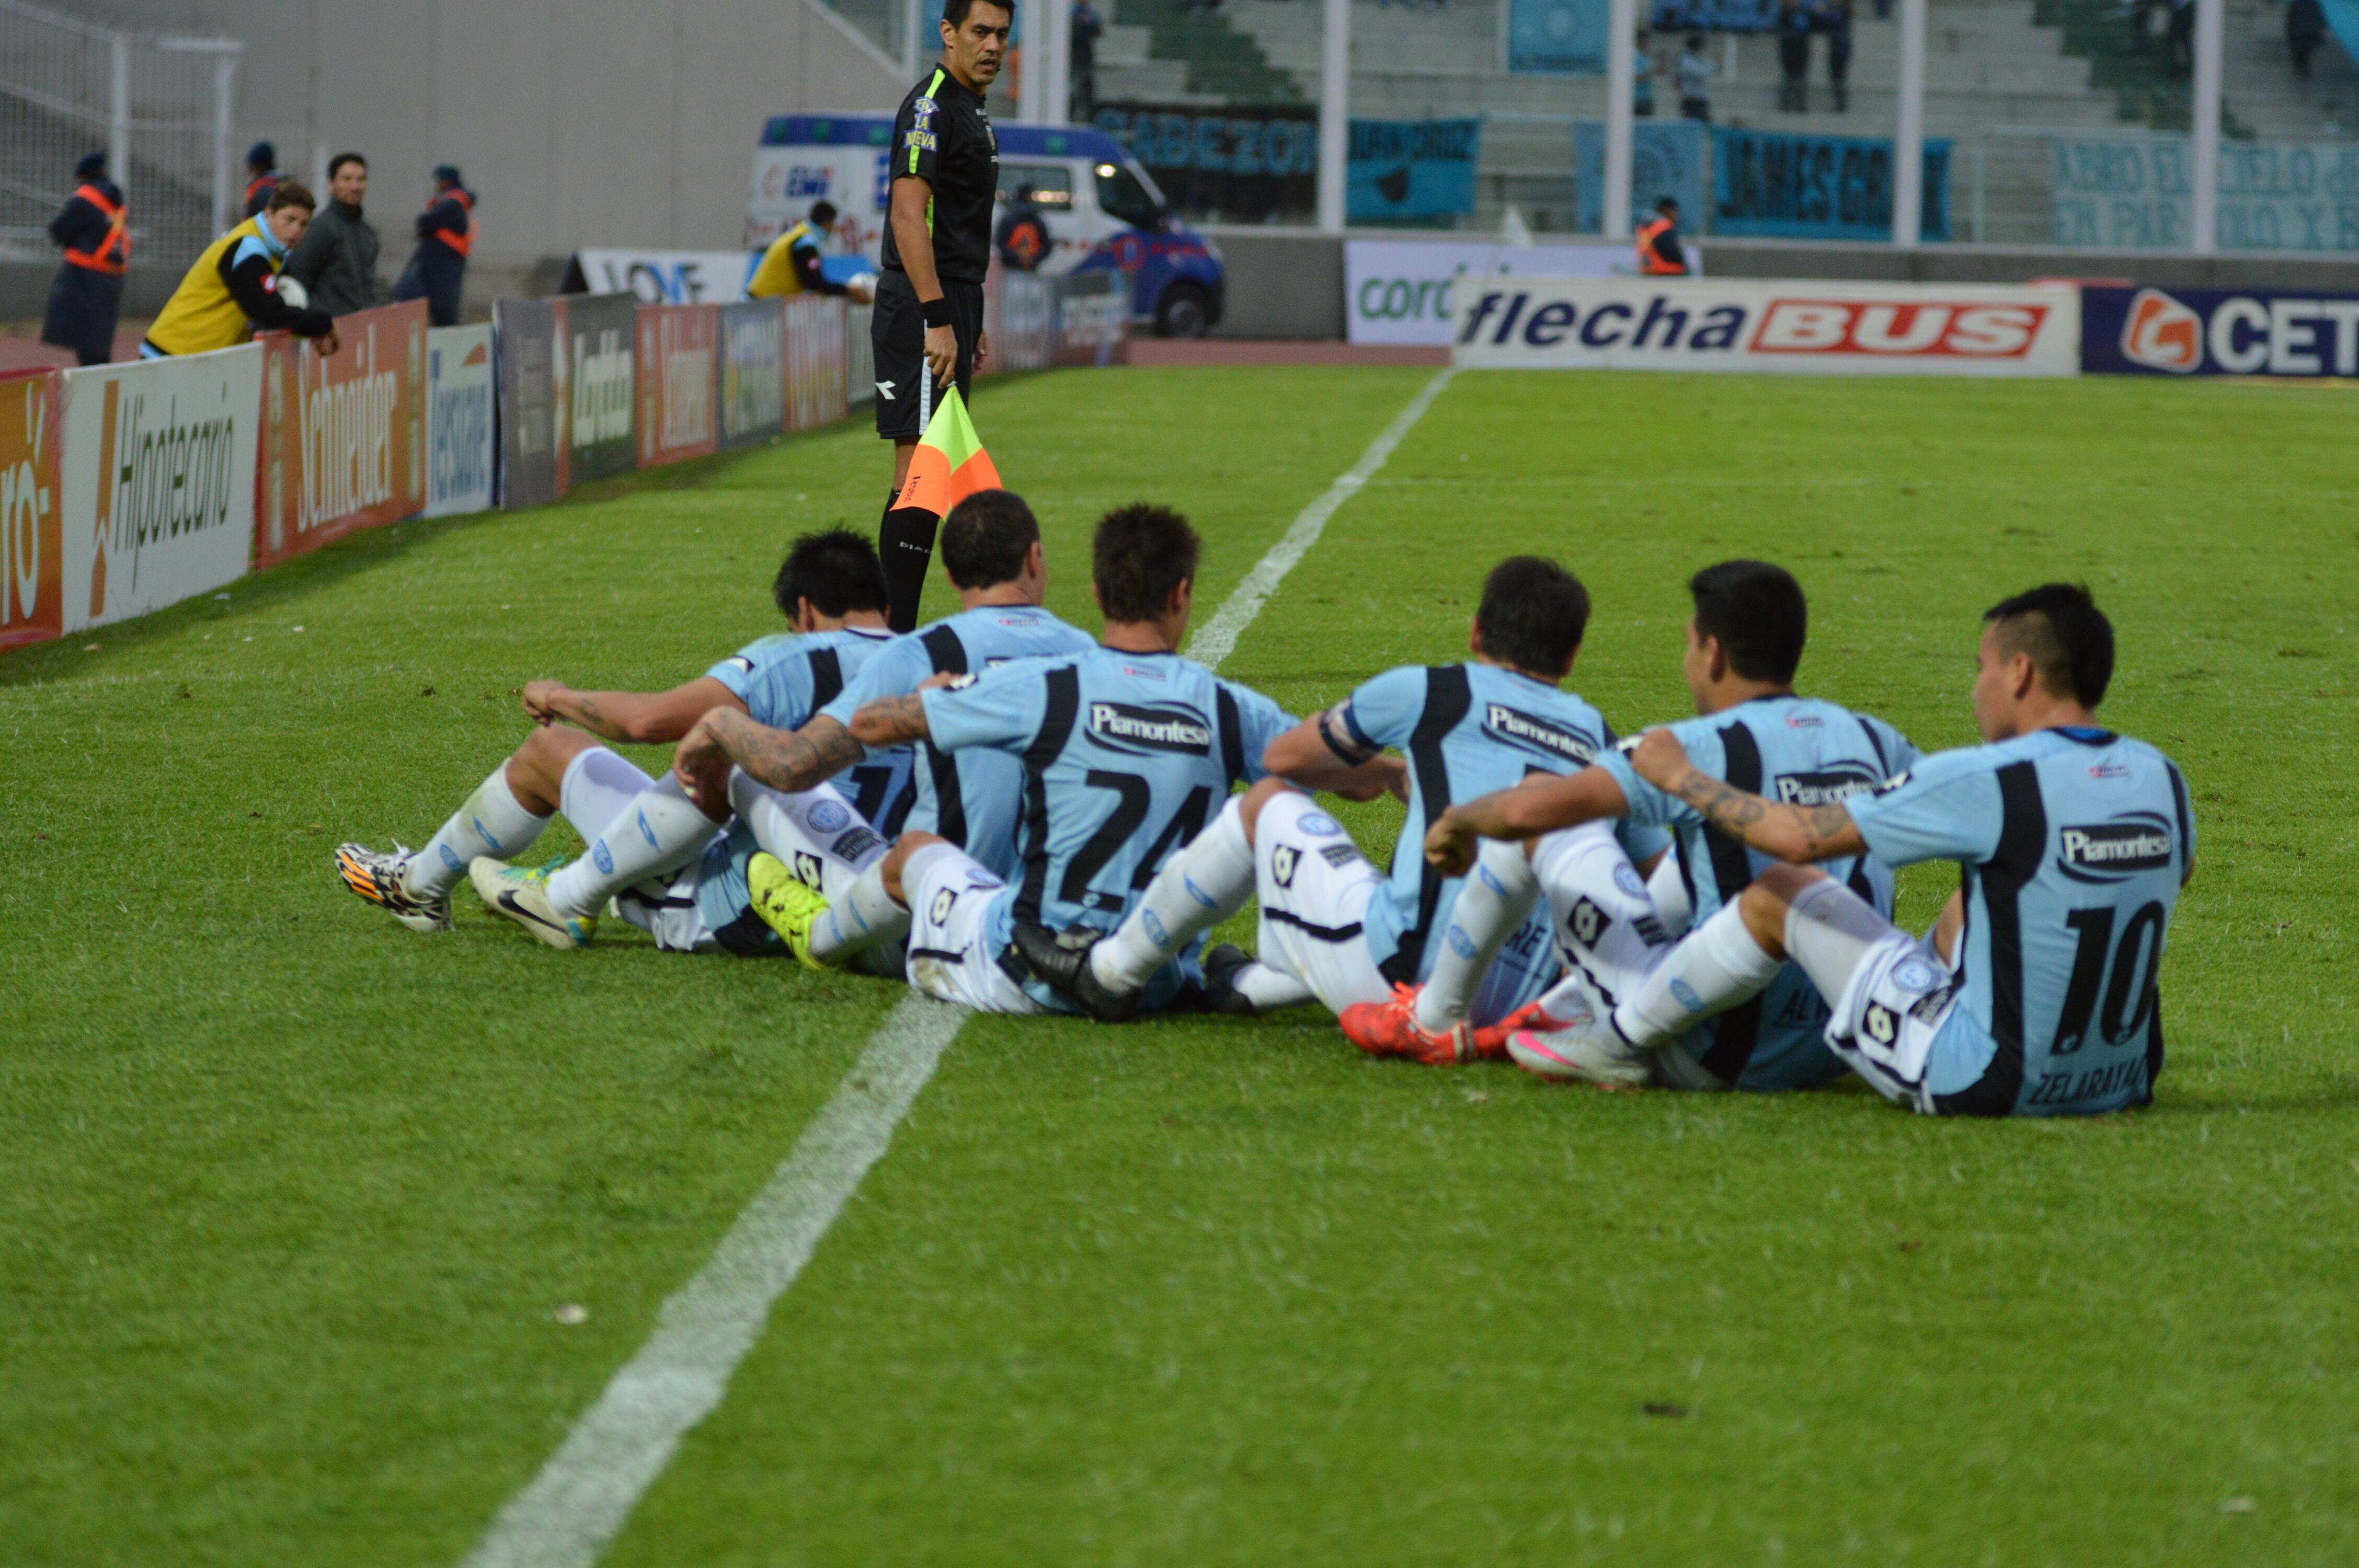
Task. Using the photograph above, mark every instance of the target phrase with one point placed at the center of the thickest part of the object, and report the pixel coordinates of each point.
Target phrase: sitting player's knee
(1249, 804)
(1764, 905)
(897, 857)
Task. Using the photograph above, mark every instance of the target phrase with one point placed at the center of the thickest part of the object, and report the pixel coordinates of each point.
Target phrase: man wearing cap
(88, 294)
(262, 177)
(446, 232)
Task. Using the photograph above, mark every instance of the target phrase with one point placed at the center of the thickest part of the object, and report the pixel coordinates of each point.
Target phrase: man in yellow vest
(791, 264)
(88, 294)
(232, 290)
(1660, 254)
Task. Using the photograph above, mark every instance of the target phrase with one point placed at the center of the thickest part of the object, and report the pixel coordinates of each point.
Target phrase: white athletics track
(586, 1491)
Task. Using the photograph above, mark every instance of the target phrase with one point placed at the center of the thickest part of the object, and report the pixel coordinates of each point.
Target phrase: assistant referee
(928, 330)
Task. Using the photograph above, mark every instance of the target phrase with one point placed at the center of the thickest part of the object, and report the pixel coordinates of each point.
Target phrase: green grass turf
(287, 1194)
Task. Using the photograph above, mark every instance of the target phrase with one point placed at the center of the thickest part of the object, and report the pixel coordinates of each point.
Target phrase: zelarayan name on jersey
(1160, 728)
(2104, 852)
(1518, 728)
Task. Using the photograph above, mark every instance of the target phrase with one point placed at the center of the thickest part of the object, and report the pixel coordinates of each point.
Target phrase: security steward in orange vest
(446, 233)
(88, 295)
(1661, 255)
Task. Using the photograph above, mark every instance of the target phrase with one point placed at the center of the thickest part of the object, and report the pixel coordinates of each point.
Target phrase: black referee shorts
(898, 333)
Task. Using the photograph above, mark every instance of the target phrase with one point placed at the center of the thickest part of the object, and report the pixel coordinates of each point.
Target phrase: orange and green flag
(950, 464)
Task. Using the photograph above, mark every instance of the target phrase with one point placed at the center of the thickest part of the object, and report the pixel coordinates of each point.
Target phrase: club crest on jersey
(1123, 726)
(1827, 786)
(1626, 878)
(2109, 851)
(1318, 825)
(1533, 733)
(829, 816)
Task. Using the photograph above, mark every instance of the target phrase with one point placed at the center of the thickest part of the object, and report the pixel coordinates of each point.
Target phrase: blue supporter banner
(1817, 188)
(1411, 169)
(1716, 15)
(1667, 158)
(1557, 38)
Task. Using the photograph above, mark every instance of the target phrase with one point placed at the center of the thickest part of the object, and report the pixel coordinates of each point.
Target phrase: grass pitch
(289, 1195)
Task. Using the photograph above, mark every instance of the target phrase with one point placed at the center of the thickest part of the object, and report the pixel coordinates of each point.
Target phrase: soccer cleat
(1586, 1047)
(1491, 1039)
(1390, 1029)
(1222, 966)
(1061, 960)
(376, 877)
(522, 894)
(786, 905)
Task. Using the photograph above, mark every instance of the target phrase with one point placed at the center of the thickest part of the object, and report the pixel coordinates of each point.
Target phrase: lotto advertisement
(30, 507)
(1811, 328)
(2215, 331)
(343, 435)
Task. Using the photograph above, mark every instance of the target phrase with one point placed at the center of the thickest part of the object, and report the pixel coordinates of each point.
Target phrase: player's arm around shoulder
(1793, 833)
(640, 717)
(1541, 804)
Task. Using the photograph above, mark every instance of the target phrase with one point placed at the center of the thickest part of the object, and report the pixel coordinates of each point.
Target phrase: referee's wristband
(938, 311)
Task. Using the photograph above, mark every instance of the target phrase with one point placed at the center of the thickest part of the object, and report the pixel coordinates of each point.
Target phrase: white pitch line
(585, 1493)
(1217, 638)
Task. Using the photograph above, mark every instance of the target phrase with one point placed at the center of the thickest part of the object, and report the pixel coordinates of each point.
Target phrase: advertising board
(859, 354)
(661, 278)
(752, 371)
(1401, 291)
(601, 333)
(343, 435)
(677, 382)
(159, 481)
(459, 423)
(1811, 328)
(32, 508)
(2218, 331)
(533, 416)
(814, 360)
(1091, 315)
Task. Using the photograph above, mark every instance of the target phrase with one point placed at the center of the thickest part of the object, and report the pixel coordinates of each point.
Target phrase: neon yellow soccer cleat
(784, 905)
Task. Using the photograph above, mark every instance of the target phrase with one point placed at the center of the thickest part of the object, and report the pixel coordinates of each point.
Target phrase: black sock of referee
(906, 541)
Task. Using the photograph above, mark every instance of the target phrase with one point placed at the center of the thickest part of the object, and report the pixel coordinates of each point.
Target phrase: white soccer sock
(1497, 896)
(492, 822)
(864, 918)
(659, 831)
(1667, 891)
(1196, 888)
(1717, 966)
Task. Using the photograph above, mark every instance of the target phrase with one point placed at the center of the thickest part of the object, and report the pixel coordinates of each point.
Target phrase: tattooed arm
(784, 760)
(1797, 832)
(895, 721)
(646, 716)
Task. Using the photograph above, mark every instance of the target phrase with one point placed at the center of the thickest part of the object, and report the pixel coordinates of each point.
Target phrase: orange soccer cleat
(1390, 1029)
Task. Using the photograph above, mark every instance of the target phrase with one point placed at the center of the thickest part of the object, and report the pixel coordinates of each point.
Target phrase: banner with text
(343, 435)
(158, 480)
(2218, 331)
(32, 506)
(677, 380)
(533, 413)
(661, 278)
(1411, 169)
(601, 332)
(814, 360)
(1241, 165)
(752, 371)
(1399, 291)
(459, 423)
(1810, 329)
(2134, 191)
(1817, 188)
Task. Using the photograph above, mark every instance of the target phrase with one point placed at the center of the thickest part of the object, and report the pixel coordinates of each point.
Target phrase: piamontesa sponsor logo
(1159, 728)
(1518, 727)
(2102, 851)
(1826, 786)
(2160, 333)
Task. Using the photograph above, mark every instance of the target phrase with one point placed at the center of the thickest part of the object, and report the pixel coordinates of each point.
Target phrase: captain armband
(1336, 731)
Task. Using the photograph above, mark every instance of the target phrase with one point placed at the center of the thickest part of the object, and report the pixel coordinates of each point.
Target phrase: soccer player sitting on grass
(1744, 644)
(991, 550)
(1127, 750)
(641, 831)
(1335, 928)
(2038, 990)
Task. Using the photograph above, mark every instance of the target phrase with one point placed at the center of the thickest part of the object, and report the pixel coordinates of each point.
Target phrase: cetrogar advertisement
(159, 468)
(675, 382)
(459, 423)
(343, 435)
(2216, 331)
(1399, 291)
(31, 603)
(1811, 328)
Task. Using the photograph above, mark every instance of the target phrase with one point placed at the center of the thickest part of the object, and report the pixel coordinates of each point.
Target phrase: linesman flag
(949, 465)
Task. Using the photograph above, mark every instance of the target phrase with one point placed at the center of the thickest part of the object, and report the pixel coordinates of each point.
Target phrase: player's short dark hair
(1758, 613)
(336, 164)
(1533, 614)
(955, 11)
(2069, 639)
(293, 193)
(836, 569)
(987, 537)
(1142, 554)
(822, 213)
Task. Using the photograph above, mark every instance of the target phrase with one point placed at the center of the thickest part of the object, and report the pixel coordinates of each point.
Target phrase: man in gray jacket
(335, 261)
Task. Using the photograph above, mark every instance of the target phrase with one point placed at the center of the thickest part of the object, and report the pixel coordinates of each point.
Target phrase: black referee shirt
(943, 137)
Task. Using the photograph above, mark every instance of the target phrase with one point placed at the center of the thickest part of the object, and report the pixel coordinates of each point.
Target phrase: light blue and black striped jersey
(1126, 757)
(972, 801)
(2075, 843)
(1468, 729)
(1800, 752)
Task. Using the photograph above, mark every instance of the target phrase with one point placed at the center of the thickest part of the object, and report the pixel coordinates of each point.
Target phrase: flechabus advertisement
(159, 466)
(31, 506)
(343, 435)
(460, 451)
(677, 380)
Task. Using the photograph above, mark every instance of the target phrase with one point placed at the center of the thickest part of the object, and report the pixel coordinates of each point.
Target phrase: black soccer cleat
(1222, 966)
(1061, 960)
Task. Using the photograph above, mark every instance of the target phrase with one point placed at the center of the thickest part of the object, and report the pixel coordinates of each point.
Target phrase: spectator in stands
(2180, 43)
(1693, 72)
(335, 261)
(262, 176)
(792, 263)
(446, 232)
(1084, 60)
(1834, 21)
(1022, 238)
(1794, 57)
(1661, 255)
(1642, 76)
(2305, 30)
(95, 231)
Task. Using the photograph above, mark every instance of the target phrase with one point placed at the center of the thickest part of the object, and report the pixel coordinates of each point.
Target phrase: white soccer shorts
(817, 833)
(950, 894)
(1605, 922)
(1893, 990)
(1315, 888)
(598, 787)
